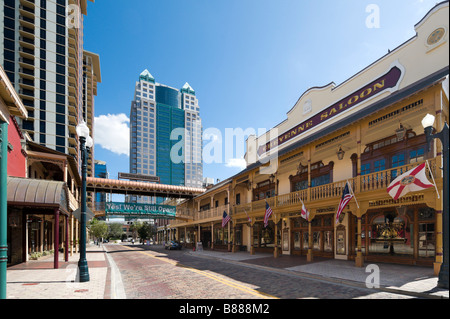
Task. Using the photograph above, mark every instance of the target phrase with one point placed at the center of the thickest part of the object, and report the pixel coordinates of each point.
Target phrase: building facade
(166, 133)
(363, 133)
(41, 50)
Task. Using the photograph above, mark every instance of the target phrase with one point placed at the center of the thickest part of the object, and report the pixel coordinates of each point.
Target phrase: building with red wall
(16, 154)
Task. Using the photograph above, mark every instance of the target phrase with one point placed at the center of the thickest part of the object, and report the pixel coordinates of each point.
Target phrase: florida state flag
(412, 181)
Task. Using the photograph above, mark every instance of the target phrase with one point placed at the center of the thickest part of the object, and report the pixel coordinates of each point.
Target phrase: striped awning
(37, 193)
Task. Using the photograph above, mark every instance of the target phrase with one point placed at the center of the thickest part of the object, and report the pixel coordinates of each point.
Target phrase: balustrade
(365, 183)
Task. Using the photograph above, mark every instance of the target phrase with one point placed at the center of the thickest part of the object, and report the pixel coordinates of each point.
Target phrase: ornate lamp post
(428, 123)
(3, 206)
(85, 143)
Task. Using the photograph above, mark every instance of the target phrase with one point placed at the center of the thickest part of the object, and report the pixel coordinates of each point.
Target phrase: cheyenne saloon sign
(144, 210)
(387, 82)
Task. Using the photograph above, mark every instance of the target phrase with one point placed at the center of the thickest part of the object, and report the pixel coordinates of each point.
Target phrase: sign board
(387, 82)
(139, 177)
(140, 210)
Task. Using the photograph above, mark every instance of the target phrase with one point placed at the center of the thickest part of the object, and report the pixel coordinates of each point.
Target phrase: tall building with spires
(166, 133)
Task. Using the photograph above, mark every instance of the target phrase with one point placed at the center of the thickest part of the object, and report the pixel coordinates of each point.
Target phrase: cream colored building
(365, 131)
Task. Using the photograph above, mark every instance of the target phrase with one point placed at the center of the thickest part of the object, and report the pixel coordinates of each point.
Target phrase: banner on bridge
(140, 210)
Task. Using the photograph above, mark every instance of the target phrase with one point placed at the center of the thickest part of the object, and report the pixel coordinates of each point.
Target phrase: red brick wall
(16, 157)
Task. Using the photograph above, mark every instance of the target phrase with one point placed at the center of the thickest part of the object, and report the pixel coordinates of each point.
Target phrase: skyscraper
(41, 49)
(166, 133)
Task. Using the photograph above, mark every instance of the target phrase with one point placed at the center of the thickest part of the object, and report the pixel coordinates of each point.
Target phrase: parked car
(173, 245)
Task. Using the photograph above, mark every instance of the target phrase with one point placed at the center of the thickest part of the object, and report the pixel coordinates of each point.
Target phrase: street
(150, 272)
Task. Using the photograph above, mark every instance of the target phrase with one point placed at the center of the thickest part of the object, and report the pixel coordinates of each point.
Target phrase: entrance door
(206, 239)
(296, 240)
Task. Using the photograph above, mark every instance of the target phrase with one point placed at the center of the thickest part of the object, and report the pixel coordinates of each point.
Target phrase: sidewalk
(38, 279)
(411, 280)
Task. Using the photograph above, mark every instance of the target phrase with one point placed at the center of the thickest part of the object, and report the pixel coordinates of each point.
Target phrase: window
(427, 240)
(365, 169)
(398, 160)
(379, 165)
(417, 155)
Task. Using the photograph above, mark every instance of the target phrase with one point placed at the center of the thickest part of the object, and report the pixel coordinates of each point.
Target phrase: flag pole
(300, 198)
(353, 193)
(434, 183)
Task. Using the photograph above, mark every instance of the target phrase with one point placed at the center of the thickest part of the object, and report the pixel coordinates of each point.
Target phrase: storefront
(322, 240)
(38, 221)
(361, 134)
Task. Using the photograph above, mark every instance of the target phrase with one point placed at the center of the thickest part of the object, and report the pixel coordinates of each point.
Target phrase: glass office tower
(158, 113)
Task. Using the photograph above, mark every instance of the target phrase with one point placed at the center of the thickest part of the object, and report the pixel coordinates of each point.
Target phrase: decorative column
(275, 247)
(252, 249)
(212, 235)
(66, 247)
(56, 240)
(309, 257)
(229, 236)
(359, 260)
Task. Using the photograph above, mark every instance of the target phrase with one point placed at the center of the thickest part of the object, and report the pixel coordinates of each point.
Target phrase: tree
(142, 229)
(115, 231)
(99, 229)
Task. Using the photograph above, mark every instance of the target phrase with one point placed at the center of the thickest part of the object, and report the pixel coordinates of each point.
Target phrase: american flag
(225, 219)
(346, 197)
(267, 215)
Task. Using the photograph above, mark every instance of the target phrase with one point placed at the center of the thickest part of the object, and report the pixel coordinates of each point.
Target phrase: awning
(37, 193)
(89, 214)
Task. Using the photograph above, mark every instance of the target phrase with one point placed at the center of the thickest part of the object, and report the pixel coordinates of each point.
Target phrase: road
(150, 272)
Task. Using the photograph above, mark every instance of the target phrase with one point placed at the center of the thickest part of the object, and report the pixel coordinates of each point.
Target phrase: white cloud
(113, 133)
(236, 163)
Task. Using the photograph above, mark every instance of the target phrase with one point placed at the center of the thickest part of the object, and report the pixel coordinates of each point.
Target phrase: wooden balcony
(327, 194)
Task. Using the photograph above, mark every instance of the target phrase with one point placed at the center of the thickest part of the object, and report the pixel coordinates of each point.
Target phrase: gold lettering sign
(387, 81)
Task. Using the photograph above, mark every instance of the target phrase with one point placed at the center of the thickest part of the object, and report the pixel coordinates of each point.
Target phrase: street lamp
(427, 123)
(86, 143)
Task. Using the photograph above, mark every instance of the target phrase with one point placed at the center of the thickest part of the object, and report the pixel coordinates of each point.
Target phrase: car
(173, 245)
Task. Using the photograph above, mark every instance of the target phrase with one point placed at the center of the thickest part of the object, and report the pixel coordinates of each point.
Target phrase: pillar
(229, 236)
(41, 235)
(56, 240)
(275, 247)
(309, 257)
(3, 206)
(359, 260)
(252, 249)
(233, 247)
(71, 236)
(212, 235)
(66, 246)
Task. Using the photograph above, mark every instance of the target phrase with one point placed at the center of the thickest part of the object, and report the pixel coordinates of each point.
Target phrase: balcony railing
(365, 183)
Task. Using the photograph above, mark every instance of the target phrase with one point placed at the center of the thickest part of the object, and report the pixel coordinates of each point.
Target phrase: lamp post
(85, 142)
(3, 206)
(427, 123)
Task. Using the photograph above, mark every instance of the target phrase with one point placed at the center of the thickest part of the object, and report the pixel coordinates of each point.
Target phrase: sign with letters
(140, 210)
(388, 82)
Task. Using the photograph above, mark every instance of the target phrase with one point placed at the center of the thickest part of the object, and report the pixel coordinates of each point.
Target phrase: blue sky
(248, 60)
